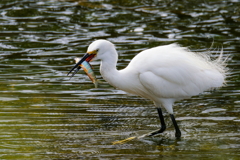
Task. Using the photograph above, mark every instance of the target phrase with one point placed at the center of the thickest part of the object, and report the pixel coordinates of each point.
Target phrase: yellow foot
(123, 141)
(131, 138)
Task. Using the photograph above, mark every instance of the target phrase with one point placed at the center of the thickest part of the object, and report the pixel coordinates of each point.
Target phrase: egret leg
(163, 125)
(178, 132)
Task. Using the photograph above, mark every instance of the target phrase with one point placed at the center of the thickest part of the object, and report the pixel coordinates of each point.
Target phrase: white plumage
(163, 74)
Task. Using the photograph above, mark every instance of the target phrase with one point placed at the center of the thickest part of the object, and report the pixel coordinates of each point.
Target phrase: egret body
(163, 74)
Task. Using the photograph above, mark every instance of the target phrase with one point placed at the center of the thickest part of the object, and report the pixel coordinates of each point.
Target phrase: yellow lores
(88, 69)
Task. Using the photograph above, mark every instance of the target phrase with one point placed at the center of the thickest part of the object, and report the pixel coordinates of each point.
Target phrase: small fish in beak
(86, 66)
(87, 57)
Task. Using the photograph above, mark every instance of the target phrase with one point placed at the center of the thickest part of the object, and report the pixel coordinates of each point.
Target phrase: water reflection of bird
(162, 74)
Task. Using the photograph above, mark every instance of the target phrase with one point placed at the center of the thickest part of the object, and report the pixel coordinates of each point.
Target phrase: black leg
(178, 132)
(163, 125)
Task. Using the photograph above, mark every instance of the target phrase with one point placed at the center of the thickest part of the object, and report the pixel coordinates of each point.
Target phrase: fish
(87, 67)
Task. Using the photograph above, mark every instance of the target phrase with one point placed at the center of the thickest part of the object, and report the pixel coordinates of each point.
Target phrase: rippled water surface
(44, 115)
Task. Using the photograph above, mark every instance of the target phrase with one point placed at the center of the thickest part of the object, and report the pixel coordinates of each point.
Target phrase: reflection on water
(43, 114)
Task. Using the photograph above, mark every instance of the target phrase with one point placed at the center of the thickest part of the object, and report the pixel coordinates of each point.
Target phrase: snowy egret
(163, 74)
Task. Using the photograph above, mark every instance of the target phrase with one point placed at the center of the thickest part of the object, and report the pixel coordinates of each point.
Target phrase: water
(44, 115)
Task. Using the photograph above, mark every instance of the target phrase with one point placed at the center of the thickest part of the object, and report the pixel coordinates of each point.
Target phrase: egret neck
(108, 68)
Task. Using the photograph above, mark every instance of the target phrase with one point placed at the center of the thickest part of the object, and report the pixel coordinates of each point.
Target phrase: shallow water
(44, 115)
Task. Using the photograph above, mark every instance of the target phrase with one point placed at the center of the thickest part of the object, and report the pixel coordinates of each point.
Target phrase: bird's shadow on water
(161, 142)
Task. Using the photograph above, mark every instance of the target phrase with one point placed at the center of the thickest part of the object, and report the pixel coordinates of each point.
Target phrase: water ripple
(44, 115)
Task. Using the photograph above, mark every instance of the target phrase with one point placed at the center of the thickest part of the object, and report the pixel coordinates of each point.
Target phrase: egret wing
(175, 72)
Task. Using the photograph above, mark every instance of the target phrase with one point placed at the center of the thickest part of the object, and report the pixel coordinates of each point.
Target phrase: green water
(44, 115)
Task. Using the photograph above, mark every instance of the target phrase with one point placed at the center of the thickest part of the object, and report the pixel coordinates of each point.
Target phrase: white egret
(163, 74)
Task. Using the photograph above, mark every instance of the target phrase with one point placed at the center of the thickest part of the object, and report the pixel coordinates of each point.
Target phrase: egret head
(96, 50)
(99, 48)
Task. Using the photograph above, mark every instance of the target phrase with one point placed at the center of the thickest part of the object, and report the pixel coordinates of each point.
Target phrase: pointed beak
(87, 57)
